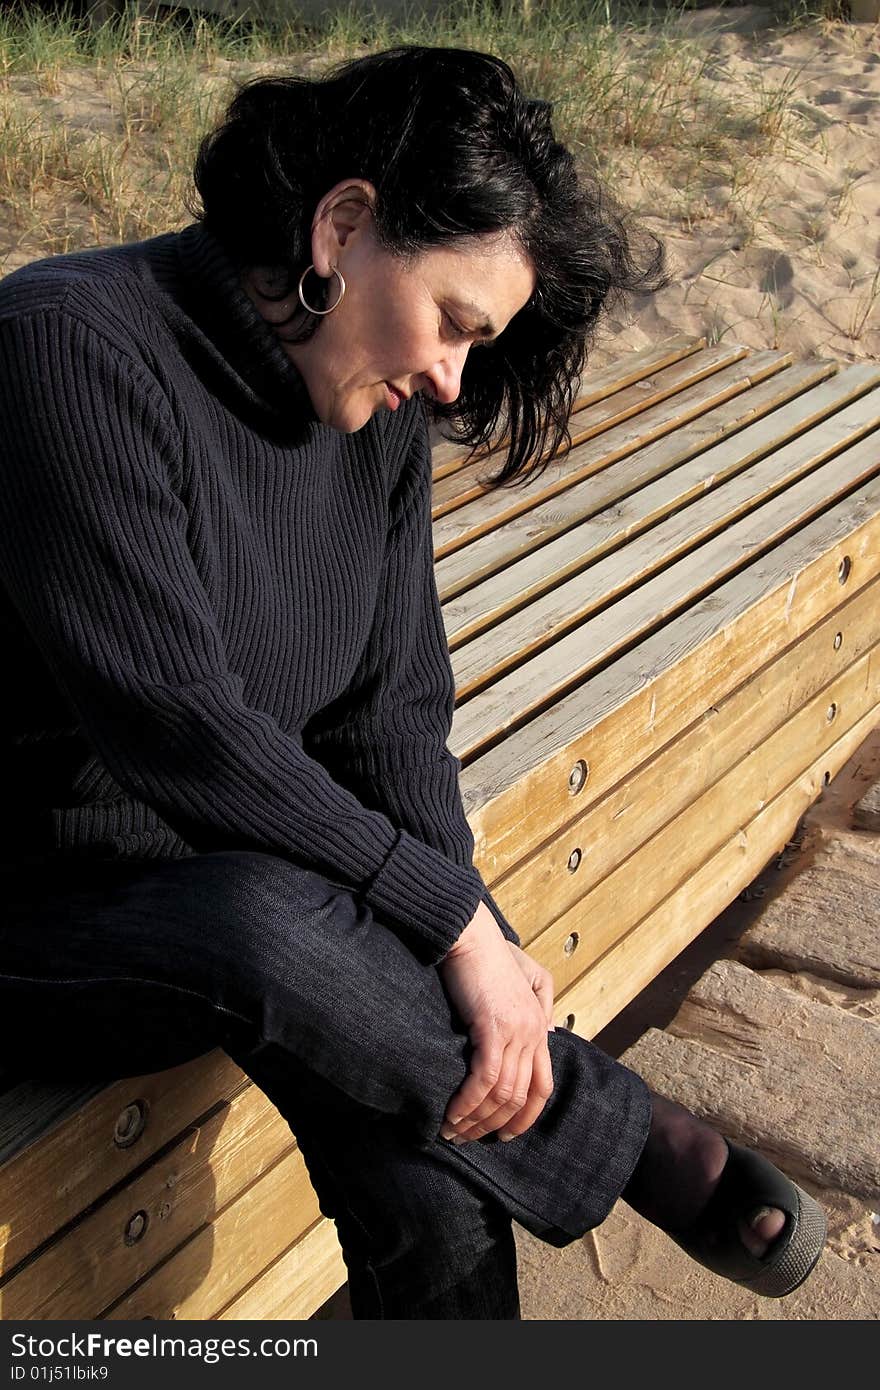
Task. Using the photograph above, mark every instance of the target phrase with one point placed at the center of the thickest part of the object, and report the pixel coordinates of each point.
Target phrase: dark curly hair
(454, 149)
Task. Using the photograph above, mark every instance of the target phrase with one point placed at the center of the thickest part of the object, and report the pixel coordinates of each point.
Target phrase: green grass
(633, 96)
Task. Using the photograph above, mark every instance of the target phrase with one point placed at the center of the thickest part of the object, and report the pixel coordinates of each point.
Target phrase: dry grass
(98, 126)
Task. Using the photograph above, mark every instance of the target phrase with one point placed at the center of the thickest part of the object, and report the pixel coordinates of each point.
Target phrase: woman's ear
(343, 213)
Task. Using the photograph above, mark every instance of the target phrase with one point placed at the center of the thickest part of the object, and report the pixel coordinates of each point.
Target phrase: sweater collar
(244, 341)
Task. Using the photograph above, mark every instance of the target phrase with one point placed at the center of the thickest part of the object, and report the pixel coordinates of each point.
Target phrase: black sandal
(750, 1181)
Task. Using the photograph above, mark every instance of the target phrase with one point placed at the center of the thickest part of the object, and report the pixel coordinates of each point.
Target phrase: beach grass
(99, 121)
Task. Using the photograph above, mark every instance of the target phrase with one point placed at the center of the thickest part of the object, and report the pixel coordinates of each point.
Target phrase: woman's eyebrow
(484, 325)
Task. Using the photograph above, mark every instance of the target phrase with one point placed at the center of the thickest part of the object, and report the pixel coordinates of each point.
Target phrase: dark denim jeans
(113, 968)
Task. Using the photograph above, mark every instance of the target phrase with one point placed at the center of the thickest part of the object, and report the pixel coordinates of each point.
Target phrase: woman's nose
(445, 376)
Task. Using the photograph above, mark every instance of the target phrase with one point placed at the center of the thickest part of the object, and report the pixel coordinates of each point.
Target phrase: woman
(236, 821)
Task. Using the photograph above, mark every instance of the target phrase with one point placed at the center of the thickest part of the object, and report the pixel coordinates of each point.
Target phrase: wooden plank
(545, 673)
(297, 1283)
(614, 905)
(543, 885)
(122, 1238)
(225, 1256)
(61, 1172)
(594, 386)
(518, 793)
(467, 485)
(491, 553)
(629, 966)
(599, 516)
(475, 507)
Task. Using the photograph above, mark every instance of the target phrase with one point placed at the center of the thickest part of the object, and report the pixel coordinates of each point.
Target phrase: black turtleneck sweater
(220, 619)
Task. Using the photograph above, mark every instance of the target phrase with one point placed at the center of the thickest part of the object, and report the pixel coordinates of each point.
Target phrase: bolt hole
(838, 641)
(830, 713)
(574, 860)
(571, 943)
(826, 779)
(130, 1124)
(577, 778)
(136, 1228)
(844, 569)
(568, 1022)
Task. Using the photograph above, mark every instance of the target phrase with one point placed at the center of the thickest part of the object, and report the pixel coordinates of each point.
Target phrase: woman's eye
(456, 328)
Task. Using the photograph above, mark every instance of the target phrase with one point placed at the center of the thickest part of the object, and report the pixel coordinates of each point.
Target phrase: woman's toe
(761, 1230)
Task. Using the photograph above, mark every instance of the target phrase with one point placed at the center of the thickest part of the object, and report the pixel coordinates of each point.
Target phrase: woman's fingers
(539, 1093)
(506, 1098)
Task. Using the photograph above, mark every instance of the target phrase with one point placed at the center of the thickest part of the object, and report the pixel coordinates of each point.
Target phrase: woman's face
(399, 328)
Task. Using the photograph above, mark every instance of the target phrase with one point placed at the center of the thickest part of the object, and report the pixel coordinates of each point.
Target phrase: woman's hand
(505, 999)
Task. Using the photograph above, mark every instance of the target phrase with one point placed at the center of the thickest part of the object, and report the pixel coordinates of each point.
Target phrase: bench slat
(610, 509)
(485, 506)
(669, 519)
(595, 386)
(517, 794)
(542, 888)
(228, 1253)
(92, 1262)
(540, 679)
(629, 966)
(639, 882)
(297, 1283)
(54, 1177)
(637, 464)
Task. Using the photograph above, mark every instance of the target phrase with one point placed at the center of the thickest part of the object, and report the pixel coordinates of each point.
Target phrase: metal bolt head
(135, 1227)
(130, 1124)
(574, 860)
(577, 778)
(570, 944)
(838, 641)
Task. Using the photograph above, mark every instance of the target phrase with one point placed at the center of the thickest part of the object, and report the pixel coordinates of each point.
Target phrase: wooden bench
(663, 649)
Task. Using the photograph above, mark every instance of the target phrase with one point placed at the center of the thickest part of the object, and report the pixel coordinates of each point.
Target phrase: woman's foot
(678, 1171)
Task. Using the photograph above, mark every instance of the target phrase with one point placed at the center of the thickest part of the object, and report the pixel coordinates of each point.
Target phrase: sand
(792, 261)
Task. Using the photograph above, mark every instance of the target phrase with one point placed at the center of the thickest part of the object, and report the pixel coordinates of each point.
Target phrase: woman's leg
(274, 959)
(420, 1240)
(277, 962)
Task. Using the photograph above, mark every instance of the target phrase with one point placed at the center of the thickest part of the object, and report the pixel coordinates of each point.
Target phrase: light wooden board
(629, 966)
(520, 792)
(297, 1283)
(463, 521)
(636, 465)
(547, 883)
(234, 1248)
(66, 1168)
(595, 386)
(93, 1261)
(649, 490)
(548, 672)
(469, 483)
(657, 868)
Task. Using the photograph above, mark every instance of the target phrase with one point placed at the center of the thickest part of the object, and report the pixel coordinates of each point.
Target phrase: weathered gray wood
(556, 588)
(622, 468)
(662, 684)
(594, 386)
(464, 507)
(535, 683)
(791, 1077)
(826, 920)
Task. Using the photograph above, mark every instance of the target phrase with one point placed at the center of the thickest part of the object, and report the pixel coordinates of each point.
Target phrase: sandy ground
(780, 251)
(791, 259)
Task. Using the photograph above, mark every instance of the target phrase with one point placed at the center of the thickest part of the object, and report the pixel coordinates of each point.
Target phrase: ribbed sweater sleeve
(94, 555)
(389, 746)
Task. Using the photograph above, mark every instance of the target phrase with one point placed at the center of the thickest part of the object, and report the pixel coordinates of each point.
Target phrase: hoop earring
(335, 305)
